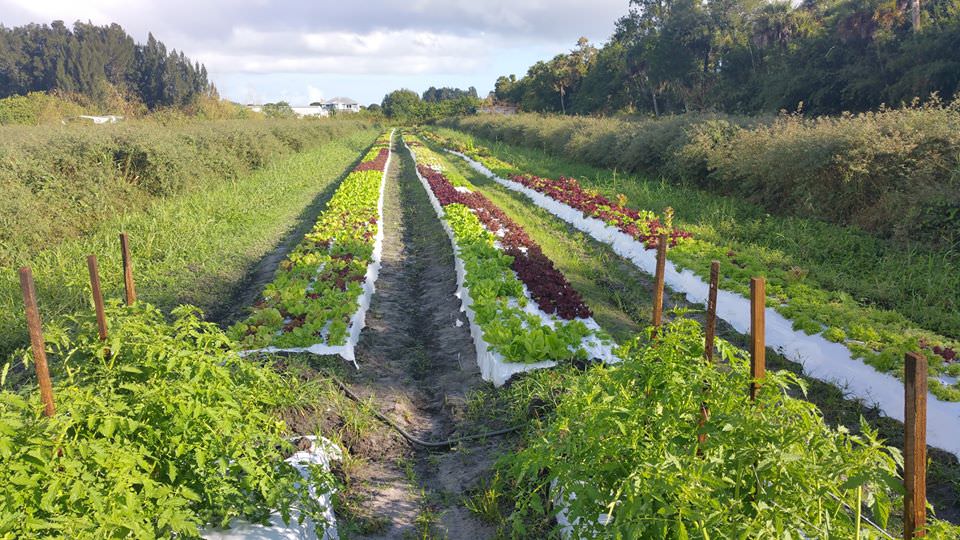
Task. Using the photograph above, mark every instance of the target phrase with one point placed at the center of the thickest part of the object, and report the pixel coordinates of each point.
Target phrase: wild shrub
(59, 182)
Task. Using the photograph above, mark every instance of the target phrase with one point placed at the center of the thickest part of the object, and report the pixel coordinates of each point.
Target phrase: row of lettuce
(314, 293)
(165, 429)
(501, 262)
(878, 337)
(623, 450)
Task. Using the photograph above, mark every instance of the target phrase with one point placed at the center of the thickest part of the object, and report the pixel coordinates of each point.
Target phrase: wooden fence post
(758, 347)
(711, 329)
(915, 446)
(658, 281)
(35, 329)
(97, 296)
(704, 418)
(708, 345)
(127, 270)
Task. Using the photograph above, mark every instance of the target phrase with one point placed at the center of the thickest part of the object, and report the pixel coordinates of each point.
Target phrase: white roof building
(310, 110)
(341, 104)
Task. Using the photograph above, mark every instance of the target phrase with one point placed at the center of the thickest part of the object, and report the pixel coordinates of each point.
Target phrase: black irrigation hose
(413, 440)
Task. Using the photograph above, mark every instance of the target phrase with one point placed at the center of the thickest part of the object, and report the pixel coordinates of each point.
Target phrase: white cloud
(401, 51)
(314, 94)
(454, 41)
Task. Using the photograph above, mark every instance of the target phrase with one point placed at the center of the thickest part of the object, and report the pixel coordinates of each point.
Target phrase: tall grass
(192, 248)
(61, 181)
(894, 172)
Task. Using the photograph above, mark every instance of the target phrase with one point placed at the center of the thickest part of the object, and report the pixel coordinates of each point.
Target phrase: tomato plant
(169, 431)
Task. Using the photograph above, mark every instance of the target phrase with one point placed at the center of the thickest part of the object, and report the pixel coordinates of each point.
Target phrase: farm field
(820, 289)
(198, 248)
(616, 287)
(607, 270)
(473, 285)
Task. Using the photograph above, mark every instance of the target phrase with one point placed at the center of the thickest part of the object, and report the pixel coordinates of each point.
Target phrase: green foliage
(402, 104)
(436, 95)
(198, 247)
(496, 292)
(805, 263)
(893, 172)
(92, 60)
(168, 431)
(406, 105)
(315, 291)
(61, 182)
(36, 108)
(676, 56)
(209, 107)
(621, 441)
(281, 109)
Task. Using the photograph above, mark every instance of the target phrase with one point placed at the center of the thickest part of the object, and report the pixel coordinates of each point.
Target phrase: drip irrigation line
(864, 518)
(412, 439)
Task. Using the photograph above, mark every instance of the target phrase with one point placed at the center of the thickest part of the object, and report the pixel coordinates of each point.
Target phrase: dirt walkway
(417, 364)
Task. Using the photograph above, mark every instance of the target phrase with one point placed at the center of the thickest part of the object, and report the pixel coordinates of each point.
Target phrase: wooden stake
(37, 344)
(658, 282)
(97, 296)
(127, 270)
(915, 446)
(711, 330)
(704, 418)
(758, 347)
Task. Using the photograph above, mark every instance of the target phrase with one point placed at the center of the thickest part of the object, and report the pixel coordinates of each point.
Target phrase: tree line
(751, 56)
(95, 61)
(435, 103)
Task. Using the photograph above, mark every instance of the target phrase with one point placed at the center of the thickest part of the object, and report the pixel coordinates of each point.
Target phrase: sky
(259, 51)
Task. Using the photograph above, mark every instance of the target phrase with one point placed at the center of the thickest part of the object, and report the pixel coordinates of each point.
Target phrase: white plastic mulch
(821, 359)
(493, 366)
(321, 453)
(359, 319)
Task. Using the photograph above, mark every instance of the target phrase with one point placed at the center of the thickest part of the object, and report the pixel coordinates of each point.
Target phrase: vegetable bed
(318, 300)
(524, 314)
(824, 355)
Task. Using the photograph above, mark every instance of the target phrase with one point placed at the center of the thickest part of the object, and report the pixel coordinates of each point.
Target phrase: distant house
(108, 119)
(341, 104)
(310, 110)
(301, 112)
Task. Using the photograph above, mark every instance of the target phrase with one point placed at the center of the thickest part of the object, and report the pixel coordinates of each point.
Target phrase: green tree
(403, 105)
(98, 62)
(280, 109)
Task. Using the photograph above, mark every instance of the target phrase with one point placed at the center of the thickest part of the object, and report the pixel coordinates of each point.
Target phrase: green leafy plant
(158, 431)
(497, 293)
(878, 337)
(620, 446)
(315, 291)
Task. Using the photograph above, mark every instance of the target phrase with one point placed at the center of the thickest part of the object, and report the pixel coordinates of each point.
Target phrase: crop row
(628, 453)
(525, 309)
(880, 338)
(318, 292)
(159, 431)
(642, 225)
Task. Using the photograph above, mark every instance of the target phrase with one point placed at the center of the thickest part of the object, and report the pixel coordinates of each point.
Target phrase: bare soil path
(417, 366)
